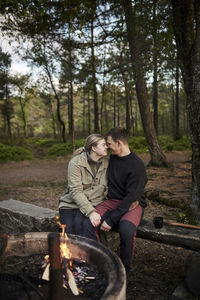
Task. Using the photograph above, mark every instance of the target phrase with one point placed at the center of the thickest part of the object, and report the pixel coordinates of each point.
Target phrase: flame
(64, 250)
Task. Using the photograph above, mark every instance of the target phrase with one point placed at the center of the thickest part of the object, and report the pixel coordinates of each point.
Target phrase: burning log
(55, 267)
(59, 250)
(72, 282)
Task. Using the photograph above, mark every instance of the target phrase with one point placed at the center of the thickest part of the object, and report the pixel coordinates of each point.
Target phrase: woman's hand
(95, 218)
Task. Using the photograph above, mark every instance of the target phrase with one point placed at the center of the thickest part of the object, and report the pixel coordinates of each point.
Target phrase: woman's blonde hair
(91, 141)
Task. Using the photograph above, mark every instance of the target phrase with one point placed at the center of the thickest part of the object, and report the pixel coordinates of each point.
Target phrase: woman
(87, 185)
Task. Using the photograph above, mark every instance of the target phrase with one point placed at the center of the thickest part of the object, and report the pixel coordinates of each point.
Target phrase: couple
(105, 194)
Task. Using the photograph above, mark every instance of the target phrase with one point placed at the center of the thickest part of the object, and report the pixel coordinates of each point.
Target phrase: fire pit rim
(116, 288)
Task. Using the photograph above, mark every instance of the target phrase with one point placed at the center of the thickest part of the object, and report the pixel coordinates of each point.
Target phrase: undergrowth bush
(15, 153)
(59, 149)
(44, 142)
(167, 143)
(138, 144)
(50, 148)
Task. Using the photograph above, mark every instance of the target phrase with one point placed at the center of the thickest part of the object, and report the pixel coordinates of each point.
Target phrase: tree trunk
(122, 71)
(72, 115)
(58, 104)
(93, 66)
(114, 108)
(155, 70)
(155, 93)
(177, 134)
(89, 114)
(8, 109)
(72, 133)
(23, 116)
(102, 106)
(173, 113)
(53, 119)
(84, 118)
(186, 22)
(157, 156)
(131, 115)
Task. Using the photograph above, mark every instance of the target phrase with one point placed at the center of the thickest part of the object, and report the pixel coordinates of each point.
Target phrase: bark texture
(186, 22)
(157, 156)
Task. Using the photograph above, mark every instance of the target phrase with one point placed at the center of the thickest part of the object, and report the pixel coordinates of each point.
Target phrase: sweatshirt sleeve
(76, 188)
(134, 191)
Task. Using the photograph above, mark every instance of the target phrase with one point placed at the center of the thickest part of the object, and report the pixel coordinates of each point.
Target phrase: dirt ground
(158, 268)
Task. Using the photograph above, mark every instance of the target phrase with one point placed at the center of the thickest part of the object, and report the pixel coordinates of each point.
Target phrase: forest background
(102, 64)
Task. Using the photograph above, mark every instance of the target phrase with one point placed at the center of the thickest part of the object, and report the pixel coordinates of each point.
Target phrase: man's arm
(136, 182)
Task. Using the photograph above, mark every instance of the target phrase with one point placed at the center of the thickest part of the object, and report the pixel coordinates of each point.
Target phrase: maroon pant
(127, 228)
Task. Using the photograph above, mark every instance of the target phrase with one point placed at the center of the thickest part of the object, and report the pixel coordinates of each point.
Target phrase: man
(124, 207)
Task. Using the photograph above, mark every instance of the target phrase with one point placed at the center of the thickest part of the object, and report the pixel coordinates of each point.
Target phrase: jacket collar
(83, 162)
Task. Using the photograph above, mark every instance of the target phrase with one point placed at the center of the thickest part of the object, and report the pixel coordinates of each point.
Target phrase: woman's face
(101, 148)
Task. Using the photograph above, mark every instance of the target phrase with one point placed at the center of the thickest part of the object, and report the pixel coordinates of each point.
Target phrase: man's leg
(127, 228)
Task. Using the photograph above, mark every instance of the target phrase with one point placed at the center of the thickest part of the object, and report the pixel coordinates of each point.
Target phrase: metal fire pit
(81, 248)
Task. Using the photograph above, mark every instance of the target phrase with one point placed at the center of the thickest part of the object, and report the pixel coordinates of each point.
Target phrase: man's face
(113, 146)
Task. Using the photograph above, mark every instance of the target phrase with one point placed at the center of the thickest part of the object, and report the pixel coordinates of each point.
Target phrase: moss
(155, 196)
(186, 215)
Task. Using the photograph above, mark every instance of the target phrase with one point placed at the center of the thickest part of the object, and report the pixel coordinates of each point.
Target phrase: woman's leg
(78, 223)
(67, 218)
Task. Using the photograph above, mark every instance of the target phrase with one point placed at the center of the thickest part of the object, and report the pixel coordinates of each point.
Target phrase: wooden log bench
(185, 237)
(18, 217)
(172, 234)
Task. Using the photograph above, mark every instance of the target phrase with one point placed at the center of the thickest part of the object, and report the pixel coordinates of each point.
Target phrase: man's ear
(119, 142)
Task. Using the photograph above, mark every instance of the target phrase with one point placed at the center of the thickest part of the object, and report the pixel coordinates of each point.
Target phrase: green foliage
(79, 143)
(48, 147)
(187, 217)
(168, 144)
(182, 218)
(138, 144)
(59, 150)
(44, 142)
(15, 153)
(183, 144)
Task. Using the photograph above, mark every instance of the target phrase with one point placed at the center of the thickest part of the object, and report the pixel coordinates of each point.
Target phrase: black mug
(158, 222)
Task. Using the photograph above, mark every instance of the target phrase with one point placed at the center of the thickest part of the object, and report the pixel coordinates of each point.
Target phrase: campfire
(77, 268)
(74, 273)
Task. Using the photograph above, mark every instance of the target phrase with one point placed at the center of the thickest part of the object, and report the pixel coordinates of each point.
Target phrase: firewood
(72, 282)
(45, 274)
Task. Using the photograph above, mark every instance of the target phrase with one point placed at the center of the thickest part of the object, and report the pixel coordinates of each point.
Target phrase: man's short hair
(118, 133)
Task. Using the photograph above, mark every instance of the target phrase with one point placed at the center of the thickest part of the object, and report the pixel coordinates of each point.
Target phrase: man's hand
(105, 226)
(134, 205)
(95, 218)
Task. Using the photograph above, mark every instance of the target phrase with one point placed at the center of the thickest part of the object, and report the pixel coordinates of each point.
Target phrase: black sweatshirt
(126, 182)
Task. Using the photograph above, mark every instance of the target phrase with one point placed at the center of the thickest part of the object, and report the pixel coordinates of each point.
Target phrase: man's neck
(124, 151)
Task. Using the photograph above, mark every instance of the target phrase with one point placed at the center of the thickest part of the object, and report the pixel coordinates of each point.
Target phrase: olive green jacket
(84, 190)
